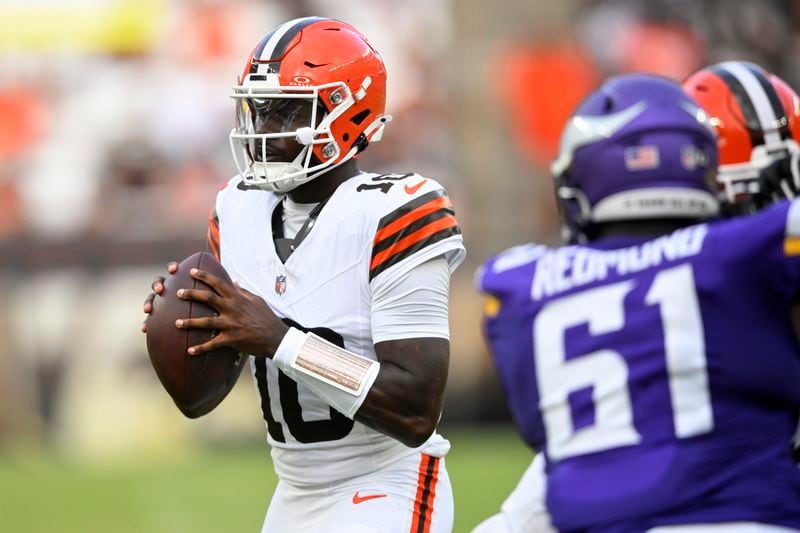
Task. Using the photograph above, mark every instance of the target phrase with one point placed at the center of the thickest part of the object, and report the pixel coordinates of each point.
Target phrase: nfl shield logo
(693, 157)
(280, 285)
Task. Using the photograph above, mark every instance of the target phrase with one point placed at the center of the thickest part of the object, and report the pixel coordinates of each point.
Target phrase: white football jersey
(373, 229)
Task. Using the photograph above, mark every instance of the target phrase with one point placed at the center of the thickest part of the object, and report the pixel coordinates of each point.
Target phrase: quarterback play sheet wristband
(340, 377)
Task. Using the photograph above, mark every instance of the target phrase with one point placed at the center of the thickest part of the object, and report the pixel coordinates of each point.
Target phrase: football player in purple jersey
(652, 360)
(757, 118)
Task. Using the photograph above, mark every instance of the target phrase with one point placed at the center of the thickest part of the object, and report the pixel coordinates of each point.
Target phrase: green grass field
(215, 491)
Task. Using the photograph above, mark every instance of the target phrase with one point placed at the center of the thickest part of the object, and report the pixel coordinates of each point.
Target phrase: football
(197, 383)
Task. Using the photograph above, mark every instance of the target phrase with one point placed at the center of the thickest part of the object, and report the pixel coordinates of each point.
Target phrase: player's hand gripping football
(244, 322)
(158, 289)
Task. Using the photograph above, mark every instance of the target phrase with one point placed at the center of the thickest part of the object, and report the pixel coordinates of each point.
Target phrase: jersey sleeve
(213, 240)
(414, 305)
(213, 233)
(765, 247)
(791, 246)
(505, 281)
(418, 223)
(489, 278)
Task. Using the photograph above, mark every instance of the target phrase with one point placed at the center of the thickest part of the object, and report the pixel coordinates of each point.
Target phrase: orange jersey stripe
(432, 494)
(213, 233)
(213, 229)
(426, 492)
(409, 218)
(423, 469)
(443, 223)
(213, 245)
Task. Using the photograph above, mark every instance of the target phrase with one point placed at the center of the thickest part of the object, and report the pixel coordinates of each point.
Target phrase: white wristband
(340, 377)
(289, 347)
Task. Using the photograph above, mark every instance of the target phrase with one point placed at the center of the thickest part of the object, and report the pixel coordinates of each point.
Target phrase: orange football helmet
(757, 119)
(331, 67)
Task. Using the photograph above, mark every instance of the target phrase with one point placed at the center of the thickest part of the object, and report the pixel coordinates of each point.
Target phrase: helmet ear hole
(360, 117)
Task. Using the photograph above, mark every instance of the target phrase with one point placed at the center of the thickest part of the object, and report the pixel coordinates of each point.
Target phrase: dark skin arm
(246, 323)
(406, 399)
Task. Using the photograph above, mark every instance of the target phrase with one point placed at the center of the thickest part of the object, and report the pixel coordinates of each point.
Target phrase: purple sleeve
(506, 281)
(764, 247)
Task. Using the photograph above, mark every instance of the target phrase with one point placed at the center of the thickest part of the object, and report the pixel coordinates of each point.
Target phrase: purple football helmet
(636, 148)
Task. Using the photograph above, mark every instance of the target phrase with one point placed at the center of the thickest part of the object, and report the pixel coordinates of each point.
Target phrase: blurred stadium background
(113, 140)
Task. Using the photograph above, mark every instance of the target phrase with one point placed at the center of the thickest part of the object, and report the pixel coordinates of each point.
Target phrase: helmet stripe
(260, 50)
(766, 121)
(278, 40)
(745, 104)
(782, 121)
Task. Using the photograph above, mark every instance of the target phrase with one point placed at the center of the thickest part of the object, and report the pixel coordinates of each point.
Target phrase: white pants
(412, 495)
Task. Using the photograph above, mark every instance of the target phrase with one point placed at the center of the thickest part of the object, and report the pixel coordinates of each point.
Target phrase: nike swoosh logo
(414, 188)
(360, 499)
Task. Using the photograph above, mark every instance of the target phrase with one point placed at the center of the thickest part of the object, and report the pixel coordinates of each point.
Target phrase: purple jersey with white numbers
(660, 377)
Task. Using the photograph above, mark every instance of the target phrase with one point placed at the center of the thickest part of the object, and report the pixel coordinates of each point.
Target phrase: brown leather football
(197, 383)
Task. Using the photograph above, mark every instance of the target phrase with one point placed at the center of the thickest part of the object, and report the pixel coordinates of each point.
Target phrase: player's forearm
(403, 405)
(400, 394)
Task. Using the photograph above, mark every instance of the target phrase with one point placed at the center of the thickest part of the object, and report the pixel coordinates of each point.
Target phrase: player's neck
(322, 187)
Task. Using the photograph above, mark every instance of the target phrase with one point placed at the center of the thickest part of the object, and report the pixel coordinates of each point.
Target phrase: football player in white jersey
(341, 289)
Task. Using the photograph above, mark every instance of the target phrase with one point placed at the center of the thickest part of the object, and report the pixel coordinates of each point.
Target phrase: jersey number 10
(336, 427)
(606, 371)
